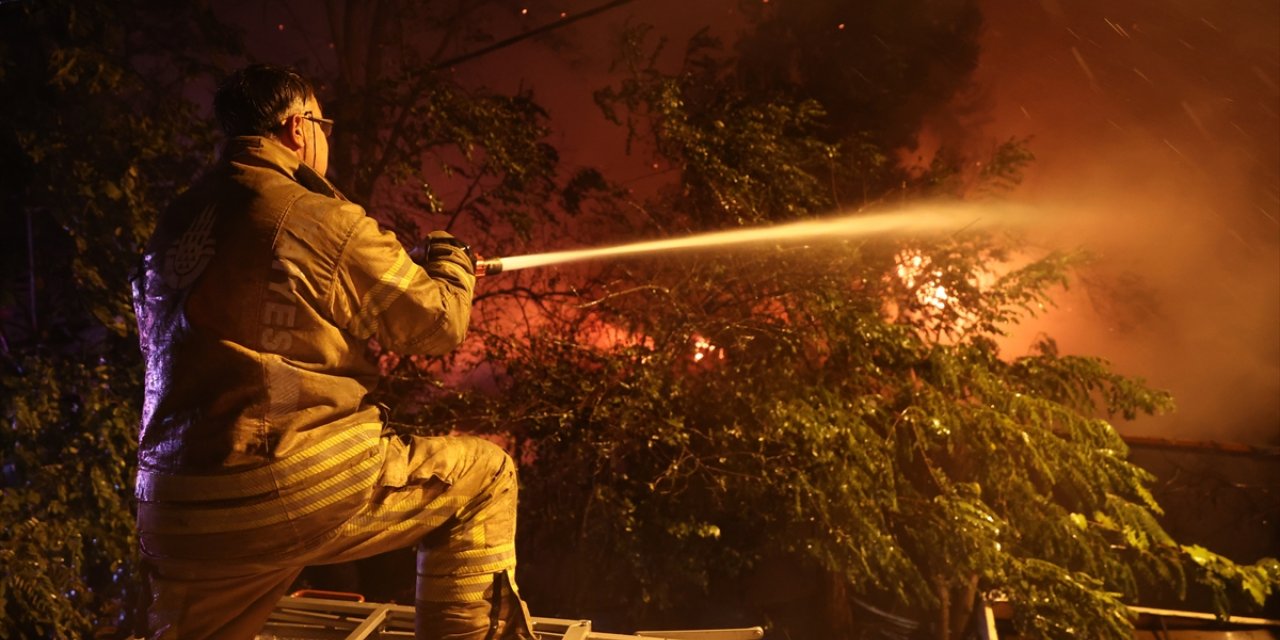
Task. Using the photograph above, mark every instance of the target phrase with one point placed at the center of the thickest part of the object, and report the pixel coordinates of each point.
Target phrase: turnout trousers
(454, 497)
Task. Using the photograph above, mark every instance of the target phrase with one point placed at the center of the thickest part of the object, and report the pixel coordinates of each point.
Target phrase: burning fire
(702, 348)
(924, 280)
(915, 273)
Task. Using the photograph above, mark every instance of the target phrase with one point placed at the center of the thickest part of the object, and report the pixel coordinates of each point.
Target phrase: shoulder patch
(191, 253)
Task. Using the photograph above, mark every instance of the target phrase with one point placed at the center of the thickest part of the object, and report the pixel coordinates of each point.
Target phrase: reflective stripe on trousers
(454, 497)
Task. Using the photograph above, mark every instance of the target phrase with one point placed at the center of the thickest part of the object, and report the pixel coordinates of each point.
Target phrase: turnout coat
(256, 300)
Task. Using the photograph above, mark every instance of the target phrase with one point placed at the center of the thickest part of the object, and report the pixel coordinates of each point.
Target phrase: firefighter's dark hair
(253, 101)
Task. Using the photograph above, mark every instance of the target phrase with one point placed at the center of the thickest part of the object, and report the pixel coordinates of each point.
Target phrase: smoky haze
(1157, 139)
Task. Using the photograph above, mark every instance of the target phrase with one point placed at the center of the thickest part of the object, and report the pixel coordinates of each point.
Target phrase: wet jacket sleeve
(378, 291)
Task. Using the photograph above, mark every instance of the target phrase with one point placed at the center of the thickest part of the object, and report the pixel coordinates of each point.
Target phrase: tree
(406, 116)
(844, 409)
(847, 430)
(96, 137)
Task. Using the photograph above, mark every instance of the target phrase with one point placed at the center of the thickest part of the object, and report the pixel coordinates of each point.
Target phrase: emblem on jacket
(187, 257)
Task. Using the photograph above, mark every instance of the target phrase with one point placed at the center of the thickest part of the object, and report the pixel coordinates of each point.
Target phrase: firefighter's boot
(500, 615)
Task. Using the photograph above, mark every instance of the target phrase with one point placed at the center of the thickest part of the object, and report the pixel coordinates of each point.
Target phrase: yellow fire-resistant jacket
(257, 297)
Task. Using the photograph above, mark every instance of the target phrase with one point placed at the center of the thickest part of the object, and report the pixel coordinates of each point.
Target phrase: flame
(913, 269)
(937, 304)
(703, 347)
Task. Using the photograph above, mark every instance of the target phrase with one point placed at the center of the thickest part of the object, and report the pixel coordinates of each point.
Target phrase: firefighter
(259, 454)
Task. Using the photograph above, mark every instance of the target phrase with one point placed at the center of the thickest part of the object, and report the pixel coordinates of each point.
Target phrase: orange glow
(914, 272)
(920, 277)
(703, 347)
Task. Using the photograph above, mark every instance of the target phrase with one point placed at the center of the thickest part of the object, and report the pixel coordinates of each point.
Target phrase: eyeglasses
(326, 125)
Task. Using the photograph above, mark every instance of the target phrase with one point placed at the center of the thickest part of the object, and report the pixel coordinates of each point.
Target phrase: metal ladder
(319, 618)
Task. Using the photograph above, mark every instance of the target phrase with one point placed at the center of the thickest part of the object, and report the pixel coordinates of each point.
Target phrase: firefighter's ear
(291, 133)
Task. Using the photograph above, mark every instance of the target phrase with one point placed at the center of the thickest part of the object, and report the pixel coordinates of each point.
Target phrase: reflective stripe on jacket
(258, 294)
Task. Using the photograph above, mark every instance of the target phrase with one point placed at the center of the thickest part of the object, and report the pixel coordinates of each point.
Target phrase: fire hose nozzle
(488, 267)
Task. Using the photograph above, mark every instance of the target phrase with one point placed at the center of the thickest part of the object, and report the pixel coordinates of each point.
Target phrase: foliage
(96, 136)
(411, 131)
(690, 422)
(1225, 578)
(99, 134)
(744, 161)
(819, 431)
(680, 426)
(70, 552)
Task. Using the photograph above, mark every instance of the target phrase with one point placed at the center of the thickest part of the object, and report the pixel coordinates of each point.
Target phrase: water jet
(945, 218)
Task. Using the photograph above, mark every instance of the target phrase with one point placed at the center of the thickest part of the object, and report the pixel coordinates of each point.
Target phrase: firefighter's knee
(497, 465)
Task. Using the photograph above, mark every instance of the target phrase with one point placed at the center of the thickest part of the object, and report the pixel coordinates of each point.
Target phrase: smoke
(1156, 127)
(1156, 130)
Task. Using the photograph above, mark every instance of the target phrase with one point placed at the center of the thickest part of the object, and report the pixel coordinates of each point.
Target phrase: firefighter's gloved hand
(440, 246)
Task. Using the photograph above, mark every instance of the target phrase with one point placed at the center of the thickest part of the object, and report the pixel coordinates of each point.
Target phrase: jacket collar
(269, 153)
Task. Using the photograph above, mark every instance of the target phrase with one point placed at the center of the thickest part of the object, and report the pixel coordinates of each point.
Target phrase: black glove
(441, 246)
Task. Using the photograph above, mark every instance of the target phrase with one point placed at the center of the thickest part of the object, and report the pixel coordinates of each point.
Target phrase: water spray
(937, 219)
